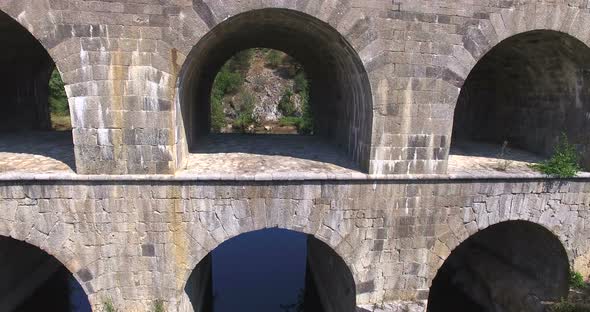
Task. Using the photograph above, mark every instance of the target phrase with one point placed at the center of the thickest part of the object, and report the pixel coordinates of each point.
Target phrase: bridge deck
(484, 158)
(267, 154)
(36, 152)
(254, 156)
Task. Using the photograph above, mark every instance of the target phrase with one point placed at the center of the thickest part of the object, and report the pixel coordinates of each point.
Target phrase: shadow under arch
(286, 257)
(514, 265)
(527, 90)
(32, 280)
(24, 99)
(340, 94)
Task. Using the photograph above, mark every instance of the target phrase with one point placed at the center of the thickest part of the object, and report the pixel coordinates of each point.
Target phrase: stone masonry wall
(138, 241)
(120, 60)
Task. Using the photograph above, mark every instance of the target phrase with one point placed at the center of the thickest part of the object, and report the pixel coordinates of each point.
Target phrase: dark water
(259, 271)
(60, 293)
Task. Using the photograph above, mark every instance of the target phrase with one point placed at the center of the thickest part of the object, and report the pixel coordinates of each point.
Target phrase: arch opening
(33, 280)
(510, 266)
(34, 115)
(270, 270)
(525, 92)
(339, 94)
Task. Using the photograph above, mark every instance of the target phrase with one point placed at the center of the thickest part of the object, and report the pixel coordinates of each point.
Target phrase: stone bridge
(404, 203)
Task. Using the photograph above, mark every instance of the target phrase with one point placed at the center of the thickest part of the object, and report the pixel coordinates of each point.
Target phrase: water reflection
(260, 271)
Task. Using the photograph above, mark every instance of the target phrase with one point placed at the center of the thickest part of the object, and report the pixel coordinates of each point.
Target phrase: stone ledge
(264, 177)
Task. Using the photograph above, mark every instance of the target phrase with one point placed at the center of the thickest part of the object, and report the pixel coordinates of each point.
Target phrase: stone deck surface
(256, 156)
(468, 157)
(36, 152)
(266, 154)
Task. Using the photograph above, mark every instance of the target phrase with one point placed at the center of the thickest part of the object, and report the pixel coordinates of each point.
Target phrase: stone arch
(33, 272)
(513, 264)
(46, 231)
(482, 39)
(39, 47)
(328, 273)
(321, 38)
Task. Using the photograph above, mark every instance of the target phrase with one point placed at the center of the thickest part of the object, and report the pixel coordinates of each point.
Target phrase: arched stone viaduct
(132, 224)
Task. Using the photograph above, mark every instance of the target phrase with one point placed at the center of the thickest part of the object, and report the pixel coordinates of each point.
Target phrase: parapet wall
(139, 240)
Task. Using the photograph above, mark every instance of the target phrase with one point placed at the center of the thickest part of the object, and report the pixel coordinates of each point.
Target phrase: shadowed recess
(340, 95)
(26, 69)
(528, 90)
(511, 266)
(32, 280)
(270, 270)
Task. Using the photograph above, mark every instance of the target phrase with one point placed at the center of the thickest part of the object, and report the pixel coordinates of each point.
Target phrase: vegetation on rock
(58, 103)
(261, 91)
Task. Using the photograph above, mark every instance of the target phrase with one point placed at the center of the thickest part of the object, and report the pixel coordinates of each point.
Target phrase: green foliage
(58, 100)
(240, 62)
(301, 86)
(107, 305)
(290, 121)
(217, 114)
(274, 58)
(159, 306)
(227, 82)
(300, 83)
(245, 116)
(565, 306)
(577, 280)
(564, 162)
(286, 105)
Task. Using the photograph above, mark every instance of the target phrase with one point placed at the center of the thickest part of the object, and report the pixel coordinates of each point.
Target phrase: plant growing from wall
(577, 280)
(564, 162)
(108, 306)
(159, 306)
(504, 163)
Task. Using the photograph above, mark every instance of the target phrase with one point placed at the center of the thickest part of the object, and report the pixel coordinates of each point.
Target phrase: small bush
(564, 162)
(58, 100)
(274, 59)
(159, 306)
(300, 82)
(240, 62)
(107, 305)
(290, 121)
(217, 114)
(565, 306)
(245, 116)
(577, 280)
(286, 105)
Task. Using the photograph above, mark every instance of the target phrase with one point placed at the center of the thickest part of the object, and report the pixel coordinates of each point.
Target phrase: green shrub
(58, 100)
(274, 58)
(245, 116)
(159, 306)
(286, 105)
(290, 121)
(240, 62)
(217, 114)
(577, 280)
(107, 305)
(300, 82)
(565, 306)
(227, 82)
(564, 162)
